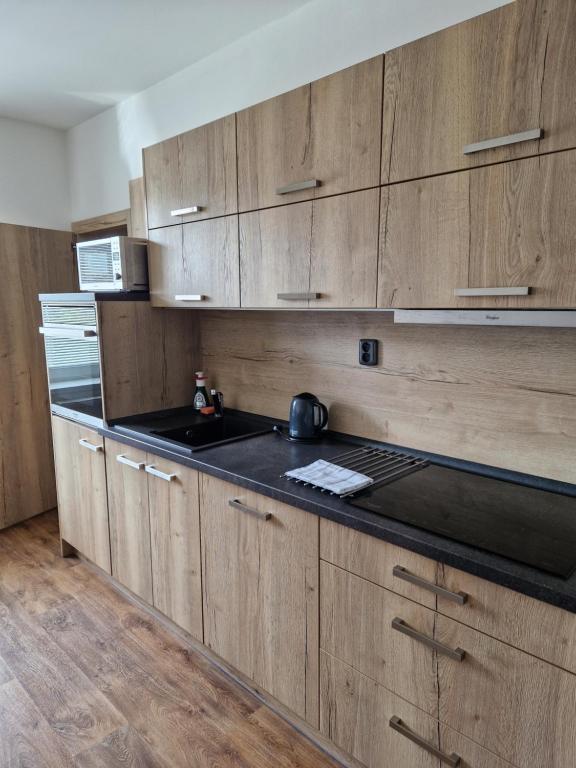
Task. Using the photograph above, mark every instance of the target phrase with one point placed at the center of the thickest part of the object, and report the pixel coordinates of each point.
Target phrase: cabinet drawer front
(129, 518)
(375, 560)
(195, 265)
(355, 713)
(531, 625)
(356, 626)
(496, 80)
(321, 139)
(175, 543)
(81, 486)
(260, 579)
(192, 176)
(521, 708)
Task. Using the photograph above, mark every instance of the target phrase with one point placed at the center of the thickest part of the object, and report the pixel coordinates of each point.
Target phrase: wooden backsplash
(499, 396)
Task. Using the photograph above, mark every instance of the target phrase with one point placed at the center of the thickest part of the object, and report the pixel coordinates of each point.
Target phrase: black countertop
(258, 464)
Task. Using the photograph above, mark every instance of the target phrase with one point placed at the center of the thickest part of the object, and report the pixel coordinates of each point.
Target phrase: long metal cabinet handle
(151, 469)
(455, 597)
(121, 458)
(68, 333)
(91, 447)
(297, 296)
(249, 510)
(297, 186)
(512, 291)
(453, 653)
(503, 141)
(186, 211)
(189, 297)
(397, 725)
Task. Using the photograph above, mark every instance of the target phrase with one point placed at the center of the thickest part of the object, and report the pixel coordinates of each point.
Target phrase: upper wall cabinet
(499, 236)
(482, 91)
(320, 254)
(317, 140)
(192, 176)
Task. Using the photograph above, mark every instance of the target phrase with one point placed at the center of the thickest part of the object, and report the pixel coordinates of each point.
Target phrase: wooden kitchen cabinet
(129, 518)
(492, 230)
(458, 678)
(194, 170)
(175, 542)
(356, 714)
(195, 265)
(327, 132)
(326, 247)
(81, 487)
(503, 73)
(260, 577)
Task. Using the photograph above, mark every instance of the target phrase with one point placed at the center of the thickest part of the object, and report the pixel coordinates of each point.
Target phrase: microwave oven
(116, 263)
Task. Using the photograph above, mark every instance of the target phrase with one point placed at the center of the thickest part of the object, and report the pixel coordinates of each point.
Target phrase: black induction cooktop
(531, 526)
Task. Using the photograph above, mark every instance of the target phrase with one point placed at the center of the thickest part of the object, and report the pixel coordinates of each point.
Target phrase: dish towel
(338, 480)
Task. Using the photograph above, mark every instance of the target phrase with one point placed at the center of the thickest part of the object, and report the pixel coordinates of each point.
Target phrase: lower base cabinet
(155, 532)
(260, 577)
(81, 486)
(382, 730)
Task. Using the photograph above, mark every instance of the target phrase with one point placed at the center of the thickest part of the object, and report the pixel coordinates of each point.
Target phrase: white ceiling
(62, 61)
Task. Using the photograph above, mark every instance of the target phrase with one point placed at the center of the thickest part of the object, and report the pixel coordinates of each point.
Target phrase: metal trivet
(381, 465)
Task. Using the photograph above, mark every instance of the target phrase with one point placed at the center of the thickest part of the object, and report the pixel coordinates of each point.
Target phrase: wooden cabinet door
(129, 518)
(194, 170)
(195, 265)
(356, 714)
(175, 536)
(81, 487)
(500, 74)
(494, 230)
(325, 247)
(328, 131)
(260, 577)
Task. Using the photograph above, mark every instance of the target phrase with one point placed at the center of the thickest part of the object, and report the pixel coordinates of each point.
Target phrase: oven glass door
(73, 359)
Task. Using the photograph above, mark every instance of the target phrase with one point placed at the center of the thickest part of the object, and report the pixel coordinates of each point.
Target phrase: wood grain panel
(472, 393)
(500, 73)
(355, 713)
(175, 536)
(201, 259)
(107, 222)
(197, 168)
(31, 261)
(81, 483)
(329, 131)
(260, 580)
(129, 520)
(138, 218)
(149, 364)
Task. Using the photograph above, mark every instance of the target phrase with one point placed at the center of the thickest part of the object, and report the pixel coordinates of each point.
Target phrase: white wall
(315, 40)
(33, 175)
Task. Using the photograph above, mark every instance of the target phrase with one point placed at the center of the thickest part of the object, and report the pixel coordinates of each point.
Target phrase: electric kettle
(308, 417)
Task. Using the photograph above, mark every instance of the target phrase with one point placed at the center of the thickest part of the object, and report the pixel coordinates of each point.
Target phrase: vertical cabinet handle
(503, 141)
(186, 211)
(235, 504)
(121, 458)
(298, 186)
(453, 653)
(398, 725)
(91, 447)
(513, 291)
(456, 597)
(151, 469)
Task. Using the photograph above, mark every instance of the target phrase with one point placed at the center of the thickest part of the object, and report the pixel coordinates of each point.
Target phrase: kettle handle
(323, 415)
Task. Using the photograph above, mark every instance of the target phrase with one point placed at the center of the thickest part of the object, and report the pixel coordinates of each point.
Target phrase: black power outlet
(368, 352)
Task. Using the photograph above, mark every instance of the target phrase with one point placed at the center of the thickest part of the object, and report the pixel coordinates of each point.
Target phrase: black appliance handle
(323, 415)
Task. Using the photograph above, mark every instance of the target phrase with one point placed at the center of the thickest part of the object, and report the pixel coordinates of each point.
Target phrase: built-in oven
(72, 346)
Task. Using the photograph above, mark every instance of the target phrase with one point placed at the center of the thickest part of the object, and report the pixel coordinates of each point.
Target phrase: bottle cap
(200, 375)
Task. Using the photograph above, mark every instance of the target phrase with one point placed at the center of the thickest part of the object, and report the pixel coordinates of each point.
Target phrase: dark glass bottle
(201, 399)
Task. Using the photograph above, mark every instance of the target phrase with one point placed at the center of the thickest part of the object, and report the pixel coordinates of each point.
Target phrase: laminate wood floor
(88, 679)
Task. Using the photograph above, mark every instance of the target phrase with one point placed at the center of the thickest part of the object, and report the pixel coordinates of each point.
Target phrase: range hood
(548, 318)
